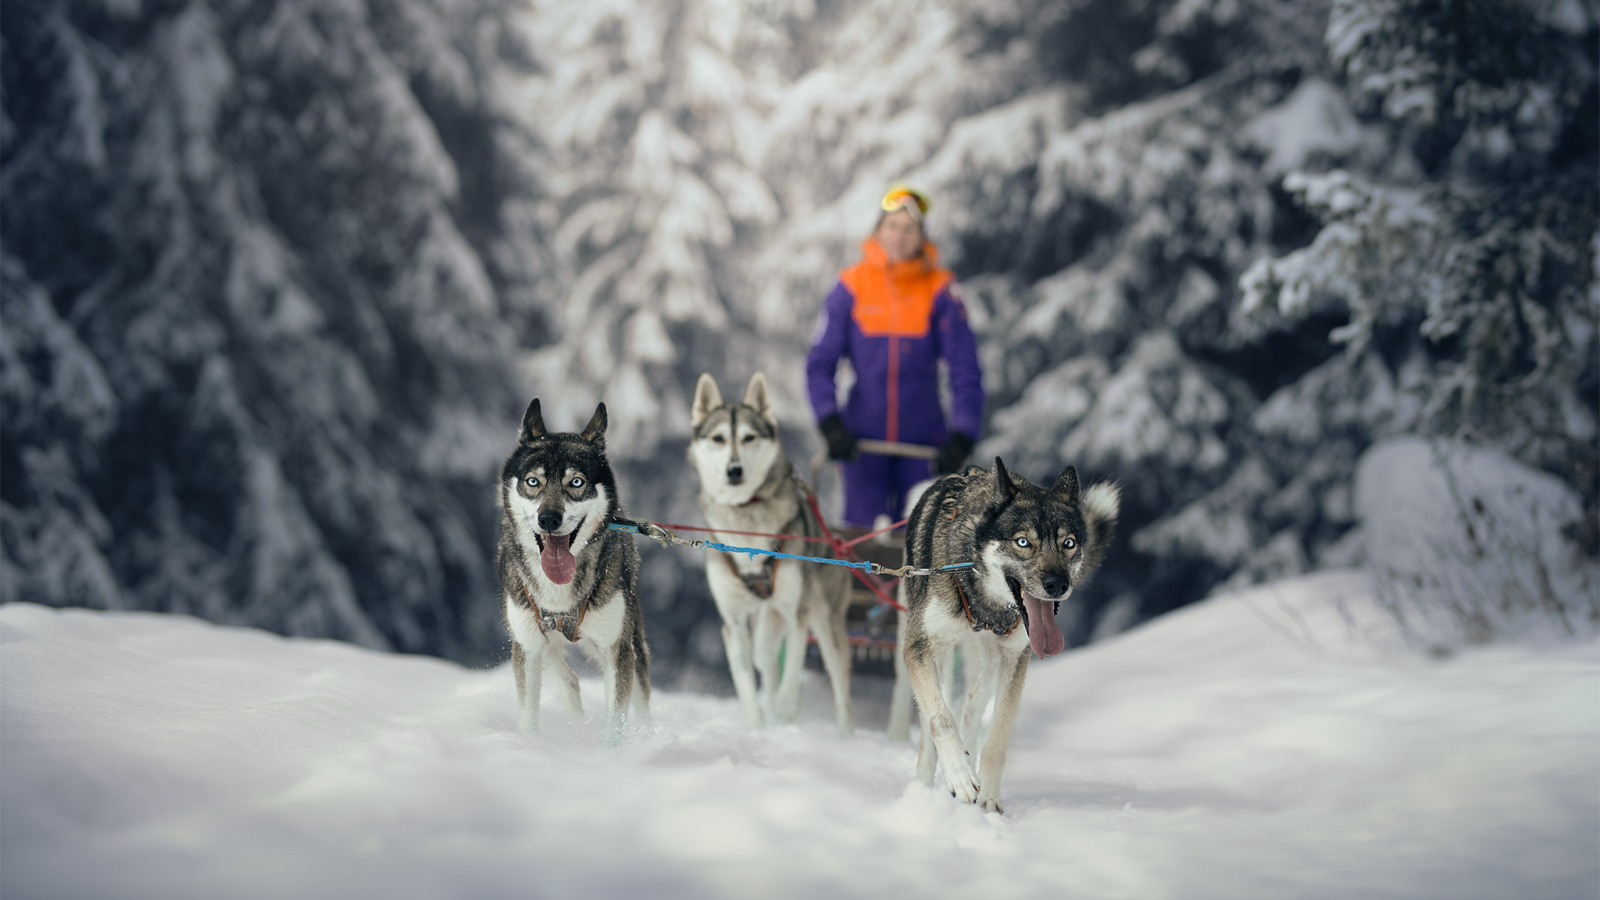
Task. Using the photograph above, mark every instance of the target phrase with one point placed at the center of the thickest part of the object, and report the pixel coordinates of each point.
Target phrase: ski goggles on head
(909, 199)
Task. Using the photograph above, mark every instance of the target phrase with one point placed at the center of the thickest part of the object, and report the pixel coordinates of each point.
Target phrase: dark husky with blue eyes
(564, 576)
(1030, 548)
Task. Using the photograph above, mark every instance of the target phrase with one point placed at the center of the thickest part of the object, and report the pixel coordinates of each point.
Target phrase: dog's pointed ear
(595, 432)
(758, 398)
(532, 424)
(1066, 486)
(706, 398)
(1004, 487)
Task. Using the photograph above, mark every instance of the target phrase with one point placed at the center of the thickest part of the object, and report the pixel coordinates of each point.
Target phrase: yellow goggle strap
(908, 199)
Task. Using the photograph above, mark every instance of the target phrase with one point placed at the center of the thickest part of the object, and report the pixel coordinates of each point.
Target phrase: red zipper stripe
(892, 428)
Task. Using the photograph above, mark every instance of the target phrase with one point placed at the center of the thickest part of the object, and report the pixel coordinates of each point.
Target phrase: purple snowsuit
(894, 322)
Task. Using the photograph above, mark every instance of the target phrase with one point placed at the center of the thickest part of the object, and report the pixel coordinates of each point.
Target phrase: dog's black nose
(549, 519)
(735, 473)
(1054, 585)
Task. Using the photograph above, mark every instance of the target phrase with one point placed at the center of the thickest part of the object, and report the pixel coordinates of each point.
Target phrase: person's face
(900, 235)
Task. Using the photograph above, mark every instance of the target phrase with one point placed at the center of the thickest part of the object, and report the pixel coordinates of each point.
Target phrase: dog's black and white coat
(565, 578)
(1031, 548)
(748, 485)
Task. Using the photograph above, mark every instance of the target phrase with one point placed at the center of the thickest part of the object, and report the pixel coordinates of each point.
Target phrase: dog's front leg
(736, 641)
(619, 690)
(641, 675)
(528, 664)
(900, 700)
(939, 727)
(793, 653)
(927, 757)
(833, 643)
(1012, 672)
(769, 629)
(978, 664)
(555, 660)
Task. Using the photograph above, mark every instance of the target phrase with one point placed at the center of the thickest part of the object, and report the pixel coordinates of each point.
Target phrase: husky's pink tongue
(1042, 631)
(558, 561)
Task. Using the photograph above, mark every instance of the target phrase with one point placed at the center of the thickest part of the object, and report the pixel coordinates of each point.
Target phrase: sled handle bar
(895, 448)
(881, 448)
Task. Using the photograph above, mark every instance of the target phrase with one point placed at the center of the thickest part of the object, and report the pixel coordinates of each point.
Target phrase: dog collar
(966, 607)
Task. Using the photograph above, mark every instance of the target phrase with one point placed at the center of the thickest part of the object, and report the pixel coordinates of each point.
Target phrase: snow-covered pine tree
(1101, 214)
(1087, 192)
(649, 112)
(1466, 264)
(257, 257)
(647, 109)
(312, 242)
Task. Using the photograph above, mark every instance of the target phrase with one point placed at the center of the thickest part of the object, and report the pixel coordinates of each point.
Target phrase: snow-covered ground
(1248, 746)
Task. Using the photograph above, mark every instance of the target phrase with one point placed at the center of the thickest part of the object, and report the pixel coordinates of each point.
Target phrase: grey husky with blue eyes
(565, 577)
(1030, 548)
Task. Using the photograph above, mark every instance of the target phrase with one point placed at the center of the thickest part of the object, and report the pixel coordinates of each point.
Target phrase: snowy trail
(1243, 747)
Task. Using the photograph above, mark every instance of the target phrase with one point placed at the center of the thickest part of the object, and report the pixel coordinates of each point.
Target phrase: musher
(894, 317)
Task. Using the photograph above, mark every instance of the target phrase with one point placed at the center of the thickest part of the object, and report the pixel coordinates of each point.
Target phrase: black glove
(952, 454)
(841, 443)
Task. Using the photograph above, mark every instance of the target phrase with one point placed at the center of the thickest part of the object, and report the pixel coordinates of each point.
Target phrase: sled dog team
(568, 579)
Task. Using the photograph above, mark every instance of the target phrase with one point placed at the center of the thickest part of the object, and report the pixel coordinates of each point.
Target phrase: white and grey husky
(748, 485)
(566, 578)
(1030, 547)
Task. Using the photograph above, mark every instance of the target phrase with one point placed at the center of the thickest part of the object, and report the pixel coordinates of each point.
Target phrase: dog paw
(991, 804)
(961, 781)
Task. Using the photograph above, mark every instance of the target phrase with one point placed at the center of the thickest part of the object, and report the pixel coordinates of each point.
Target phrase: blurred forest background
(279, 277)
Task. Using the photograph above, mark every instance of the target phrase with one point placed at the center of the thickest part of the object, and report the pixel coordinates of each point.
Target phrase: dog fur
(565, 578)
(747, 484)
(1032, 547)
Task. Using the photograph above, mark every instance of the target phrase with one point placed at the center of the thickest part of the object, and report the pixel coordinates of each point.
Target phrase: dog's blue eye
(577, 482)
(1022, 542)
(532, 481)
(1069, 543)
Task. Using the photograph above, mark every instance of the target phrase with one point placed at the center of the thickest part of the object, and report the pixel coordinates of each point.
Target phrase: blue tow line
(753, 552)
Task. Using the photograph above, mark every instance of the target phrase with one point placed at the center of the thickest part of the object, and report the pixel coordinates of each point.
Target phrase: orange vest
(894, 299)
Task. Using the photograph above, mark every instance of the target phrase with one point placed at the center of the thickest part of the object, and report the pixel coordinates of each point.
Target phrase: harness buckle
(566, 624)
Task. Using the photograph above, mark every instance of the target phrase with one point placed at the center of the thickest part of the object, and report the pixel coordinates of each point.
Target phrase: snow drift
(1254, 745)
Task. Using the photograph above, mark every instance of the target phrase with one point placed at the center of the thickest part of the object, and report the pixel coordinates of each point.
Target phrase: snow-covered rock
(1466, 545)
